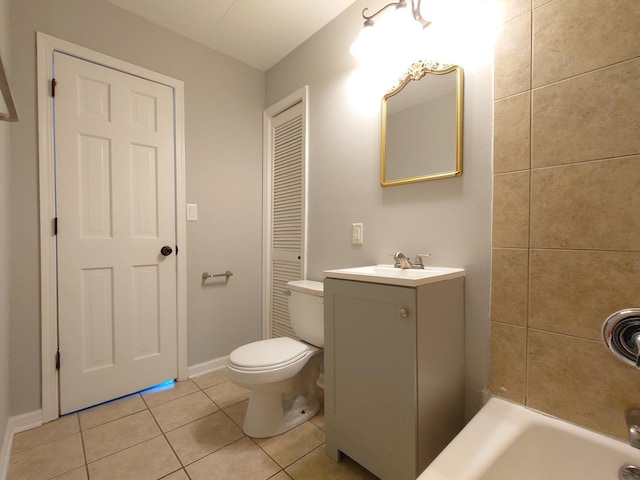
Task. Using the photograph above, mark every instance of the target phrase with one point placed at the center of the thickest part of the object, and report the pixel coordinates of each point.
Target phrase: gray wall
(224, 100)
(449, 218)
(224, 103)
(4, 234)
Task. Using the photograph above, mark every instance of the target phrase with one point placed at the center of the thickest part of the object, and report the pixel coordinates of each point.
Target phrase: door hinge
(58, 360)
(55, 226)
(53, 87)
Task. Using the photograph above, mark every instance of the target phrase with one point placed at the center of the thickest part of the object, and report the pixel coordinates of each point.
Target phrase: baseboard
(16, 424)
(207, 367)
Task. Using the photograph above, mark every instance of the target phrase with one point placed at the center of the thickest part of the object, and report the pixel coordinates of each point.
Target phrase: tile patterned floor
(190, 431)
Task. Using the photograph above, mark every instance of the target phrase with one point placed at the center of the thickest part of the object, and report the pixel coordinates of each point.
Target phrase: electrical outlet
(357, 234)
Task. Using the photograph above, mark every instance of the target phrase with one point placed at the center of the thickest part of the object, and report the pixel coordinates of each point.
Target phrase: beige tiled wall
(566, 218)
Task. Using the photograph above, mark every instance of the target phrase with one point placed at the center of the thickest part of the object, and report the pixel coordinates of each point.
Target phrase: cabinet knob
(404, 313)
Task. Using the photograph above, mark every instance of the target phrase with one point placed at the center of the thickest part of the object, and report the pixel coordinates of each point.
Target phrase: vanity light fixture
(396, 32)
(415, 11)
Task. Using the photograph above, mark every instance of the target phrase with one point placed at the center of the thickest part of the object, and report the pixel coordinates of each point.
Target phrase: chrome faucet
(633, 423)
(401, 260)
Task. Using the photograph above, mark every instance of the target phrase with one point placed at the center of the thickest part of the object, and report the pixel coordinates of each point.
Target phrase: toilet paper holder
(621, 334)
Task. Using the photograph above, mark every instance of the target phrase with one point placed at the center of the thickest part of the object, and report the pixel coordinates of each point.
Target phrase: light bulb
(364, 47)
(399, 26)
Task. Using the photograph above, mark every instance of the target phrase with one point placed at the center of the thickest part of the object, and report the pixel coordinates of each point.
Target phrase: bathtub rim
(489, 434)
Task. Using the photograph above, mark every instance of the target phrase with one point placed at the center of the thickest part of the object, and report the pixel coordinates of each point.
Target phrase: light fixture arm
(415, 10)
(368, 19)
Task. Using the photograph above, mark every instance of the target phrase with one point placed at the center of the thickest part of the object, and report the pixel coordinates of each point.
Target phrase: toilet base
(278, 407)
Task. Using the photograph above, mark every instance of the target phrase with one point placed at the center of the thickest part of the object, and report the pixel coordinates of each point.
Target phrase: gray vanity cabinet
(394, 373)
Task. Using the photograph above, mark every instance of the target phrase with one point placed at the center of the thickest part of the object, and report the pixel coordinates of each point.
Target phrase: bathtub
(505, 441)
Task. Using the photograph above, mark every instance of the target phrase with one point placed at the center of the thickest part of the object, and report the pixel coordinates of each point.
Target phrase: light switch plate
(192, 212)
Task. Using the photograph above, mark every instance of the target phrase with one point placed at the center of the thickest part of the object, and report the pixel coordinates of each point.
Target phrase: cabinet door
(370, 373)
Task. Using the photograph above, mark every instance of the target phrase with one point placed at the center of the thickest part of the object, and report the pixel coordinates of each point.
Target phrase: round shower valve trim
(621, 333)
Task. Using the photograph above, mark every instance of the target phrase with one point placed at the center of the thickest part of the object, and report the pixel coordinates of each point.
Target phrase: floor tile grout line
(171, 473)
(113, 420)
(220, 410)
(98, 406)
(45, 443)
(297, 459)
(145, 403)
(172, 399)
(84, 449)
(148, 408)
(266, 453)
(232, 420)
(278, 473)
(123, 450)
(84, 455)
(176, 399)
(185, 465)
(164, 435)
(162, 432)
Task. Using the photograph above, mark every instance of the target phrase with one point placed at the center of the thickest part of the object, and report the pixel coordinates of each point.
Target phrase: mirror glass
(422, 125)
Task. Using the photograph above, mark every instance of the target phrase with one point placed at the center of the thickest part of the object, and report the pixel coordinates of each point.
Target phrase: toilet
(281, 373)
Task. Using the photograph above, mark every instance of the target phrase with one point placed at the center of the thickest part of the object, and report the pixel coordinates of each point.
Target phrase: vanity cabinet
(394, 373)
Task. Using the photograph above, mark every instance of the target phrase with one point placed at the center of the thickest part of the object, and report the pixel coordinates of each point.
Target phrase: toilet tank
(306, 310)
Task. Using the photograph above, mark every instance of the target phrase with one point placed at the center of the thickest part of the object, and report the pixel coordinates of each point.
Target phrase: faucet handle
(632, 417)
(418, 261)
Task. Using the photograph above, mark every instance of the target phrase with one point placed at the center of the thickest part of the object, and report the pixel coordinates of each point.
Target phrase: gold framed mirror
(422, 123)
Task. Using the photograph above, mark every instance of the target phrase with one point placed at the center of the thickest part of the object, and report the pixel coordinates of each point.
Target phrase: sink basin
(389, 275)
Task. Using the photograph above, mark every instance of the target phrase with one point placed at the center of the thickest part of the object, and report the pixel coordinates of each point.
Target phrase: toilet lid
(268, 353)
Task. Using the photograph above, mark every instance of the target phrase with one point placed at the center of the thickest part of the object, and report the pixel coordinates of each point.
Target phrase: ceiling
(257, 32)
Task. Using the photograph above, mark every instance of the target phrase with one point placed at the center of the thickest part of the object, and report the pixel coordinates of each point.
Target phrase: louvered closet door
(288, 218)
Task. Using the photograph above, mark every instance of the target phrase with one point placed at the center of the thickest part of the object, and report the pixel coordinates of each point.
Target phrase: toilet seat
(268, 354)
(267, 361)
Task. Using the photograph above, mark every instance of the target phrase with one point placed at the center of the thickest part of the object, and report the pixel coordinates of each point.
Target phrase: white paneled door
(116, 232)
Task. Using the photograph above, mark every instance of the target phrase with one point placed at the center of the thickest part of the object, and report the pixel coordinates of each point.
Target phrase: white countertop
(389, 275)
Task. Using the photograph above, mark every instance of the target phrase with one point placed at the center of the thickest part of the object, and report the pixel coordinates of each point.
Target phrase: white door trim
(46, 45)
(299, 96)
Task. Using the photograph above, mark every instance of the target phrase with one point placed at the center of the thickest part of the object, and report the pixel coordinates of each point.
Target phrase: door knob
(404, 313)
(166, 250)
